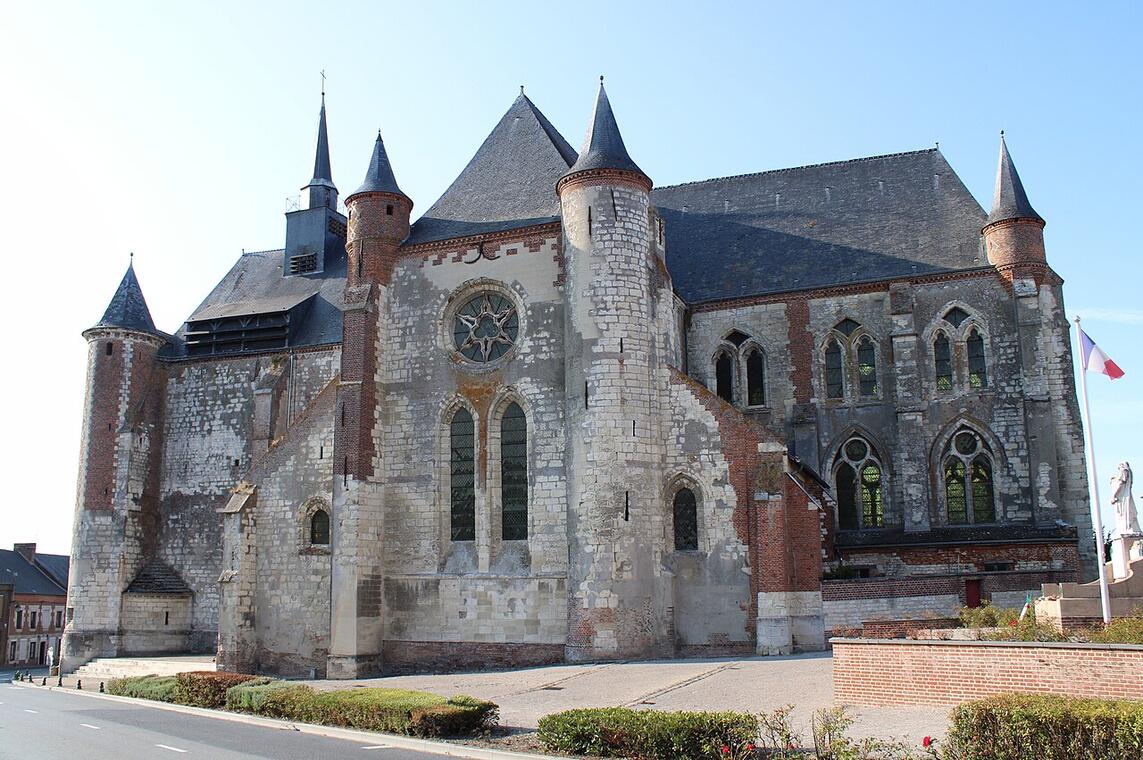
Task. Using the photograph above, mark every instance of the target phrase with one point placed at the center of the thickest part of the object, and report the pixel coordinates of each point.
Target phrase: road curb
(367, 737)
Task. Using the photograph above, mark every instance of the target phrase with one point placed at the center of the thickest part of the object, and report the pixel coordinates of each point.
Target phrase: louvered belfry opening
(251, 332)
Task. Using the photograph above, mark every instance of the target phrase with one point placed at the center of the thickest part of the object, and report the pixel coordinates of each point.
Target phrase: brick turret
(115, 507)
(1014, 232)
(378, 223)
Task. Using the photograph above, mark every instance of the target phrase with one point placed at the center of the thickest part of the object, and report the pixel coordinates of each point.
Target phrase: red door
(972, 593)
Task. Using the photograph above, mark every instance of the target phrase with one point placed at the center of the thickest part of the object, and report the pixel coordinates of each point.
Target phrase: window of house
(12, 652)
(59, 618)
(968, 485)
(514, 474)
(724, 376)
(859, 485)
(19, 617)
(755, 378)
(32, 616)
(686, 520)
(867, 366)
(462, 470)
(835, 373)
(977, 369)
(319, 528)
(942, 357)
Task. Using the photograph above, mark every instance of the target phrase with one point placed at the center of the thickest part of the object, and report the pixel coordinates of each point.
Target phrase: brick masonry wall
(872, 672)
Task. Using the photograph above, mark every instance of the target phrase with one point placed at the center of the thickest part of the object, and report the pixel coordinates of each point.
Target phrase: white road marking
(88, 725)
(172, 749)
(377, 746)
(37, 712)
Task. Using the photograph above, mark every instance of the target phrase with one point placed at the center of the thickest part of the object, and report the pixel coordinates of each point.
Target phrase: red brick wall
(880, 672)
(903, 629)
(102, 426)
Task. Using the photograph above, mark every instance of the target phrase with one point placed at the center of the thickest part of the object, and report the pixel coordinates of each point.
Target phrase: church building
(566, 415)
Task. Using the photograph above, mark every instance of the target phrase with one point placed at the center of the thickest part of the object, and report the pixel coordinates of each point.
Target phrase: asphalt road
(59, 725)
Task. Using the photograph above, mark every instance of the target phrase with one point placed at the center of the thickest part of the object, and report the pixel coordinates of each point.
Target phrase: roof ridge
(804, 166)
(268, 250)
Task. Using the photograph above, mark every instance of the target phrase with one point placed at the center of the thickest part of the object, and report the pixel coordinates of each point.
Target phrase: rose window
(485, 327)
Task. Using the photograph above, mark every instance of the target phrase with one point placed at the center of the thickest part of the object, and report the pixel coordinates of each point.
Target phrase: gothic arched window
(462, 476)
(755, 378)
(859, 485)
(319, 528)
(866, 366)
(942, 359)
(724, 376)
(967, 474)
(977, 368)
(835, 372)
(514, 474)
(686, 520)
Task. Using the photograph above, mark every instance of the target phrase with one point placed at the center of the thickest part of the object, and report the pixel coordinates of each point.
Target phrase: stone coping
(977, 643)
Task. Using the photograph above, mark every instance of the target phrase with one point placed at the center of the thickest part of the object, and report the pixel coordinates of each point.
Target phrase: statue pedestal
(1125, 549)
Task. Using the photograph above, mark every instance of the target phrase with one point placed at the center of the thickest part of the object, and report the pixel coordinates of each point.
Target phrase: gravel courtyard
(757, 684)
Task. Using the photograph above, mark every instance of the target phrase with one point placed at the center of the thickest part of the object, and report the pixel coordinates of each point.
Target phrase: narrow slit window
(514, 474)
(755, 379)
(724, 377)
(110, 348)
(686, 520)
(389, 209)
(942, 358)
(462, 474)
(977, 369)
(835, 384)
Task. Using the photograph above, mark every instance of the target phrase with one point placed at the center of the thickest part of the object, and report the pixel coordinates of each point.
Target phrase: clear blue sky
(177, 130)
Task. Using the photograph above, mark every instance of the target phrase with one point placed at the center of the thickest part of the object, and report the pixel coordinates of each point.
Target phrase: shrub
(397, 711)
(623, 732)
(1128, 630)
(987, 616)
(1036, 727)
(251, 695)
(159, 688)
(206, 688)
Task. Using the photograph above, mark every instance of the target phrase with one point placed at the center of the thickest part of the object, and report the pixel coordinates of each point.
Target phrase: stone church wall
(207, 451)
(509, 596)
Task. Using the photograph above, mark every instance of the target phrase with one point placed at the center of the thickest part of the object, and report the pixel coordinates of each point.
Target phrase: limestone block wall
(487, 590)
(155, 623)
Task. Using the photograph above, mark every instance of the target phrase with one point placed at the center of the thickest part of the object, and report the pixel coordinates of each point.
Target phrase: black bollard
(59, 680)
(44, 681)
(101, 687)
(79, 684)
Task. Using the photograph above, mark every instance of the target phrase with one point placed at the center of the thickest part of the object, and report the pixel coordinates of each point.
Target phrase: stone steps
(105, 668)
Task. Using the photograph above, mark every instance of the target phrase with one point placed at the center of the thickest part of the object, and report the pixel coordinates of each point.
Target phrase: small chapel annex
(566, 415)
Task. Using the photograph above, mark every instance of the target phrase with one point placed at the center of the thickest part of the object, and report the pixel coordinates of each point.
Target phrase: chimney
(27, 551)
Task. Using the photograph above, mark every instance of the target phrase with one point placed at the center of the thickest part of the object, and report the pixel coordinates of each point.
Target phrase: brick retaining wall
(899, 672)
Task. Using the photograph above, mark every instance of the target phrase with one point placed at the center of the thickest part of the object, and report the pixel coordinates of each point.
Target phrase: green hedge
(622, 732)
(1035, 727)
(206, 688)
(158, 688)
(250, 697)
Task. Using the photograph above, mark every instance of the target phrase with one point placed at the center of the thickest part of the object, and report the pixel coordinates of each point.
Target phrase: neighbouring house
(34, 605)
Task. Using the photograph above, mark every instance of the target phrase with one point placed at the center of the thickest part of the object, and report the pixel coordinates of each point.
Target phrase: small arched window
(319, 528)
(724, 376)
(867, 366)
(755, 378)
(860, 486)
(967, 473)
(686, 520)
(977, 368)
(514, 474)
(462, 476)
(835, 373)
(942, 360)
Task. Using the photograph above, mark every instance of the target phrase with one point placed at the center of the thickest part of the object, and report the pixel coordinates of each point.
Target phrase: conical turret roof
(128, 309)
(603, 146)
(379, 177)
(1009, 201)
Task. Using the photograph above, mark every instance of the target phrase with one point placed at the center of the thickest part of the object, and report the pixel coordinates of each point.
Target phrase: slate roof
(509, 183)
(255, 285)
(323, 175)
(603, 146)
(157, 577)
(25, 577)
(379, 176)
(128, 309)
(56, 566)
(874, 218)
(1009, 201)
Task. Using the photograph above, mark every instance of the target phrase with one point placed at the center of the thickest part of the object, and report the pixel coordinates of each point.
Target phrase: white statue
(1126, 518)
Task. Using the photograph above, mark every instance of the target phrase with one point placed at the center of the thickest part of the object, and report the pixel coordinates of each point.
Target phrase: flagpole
(1096, 519)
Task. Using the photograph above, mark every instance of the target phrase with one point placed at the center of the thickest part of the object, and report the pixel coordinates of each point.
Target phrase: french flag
(1095, 360)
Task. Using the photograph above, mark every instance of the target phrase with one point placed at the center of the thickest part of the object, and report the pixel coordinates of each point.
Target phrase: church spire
(379, 176)
(322, 191)
(1009, 201)
(128, 309)
(603, 146)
